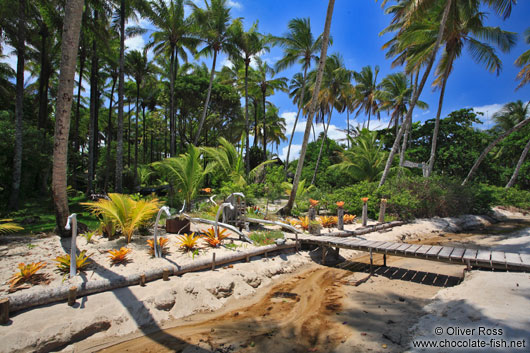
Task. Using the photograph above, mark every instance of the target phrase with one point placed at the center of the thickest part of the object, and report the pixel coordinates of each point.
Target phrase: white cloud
(234, 4)
(488, 110)
(295, 152)
(226, 62)
(135, 43)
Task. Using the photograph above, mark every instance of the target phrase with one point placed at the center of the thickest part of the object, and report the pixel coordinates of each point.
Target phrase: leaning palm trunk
(314, 100)
(493, 144)
(417, 94)
(300, 105)
(121, 85)
(518, 167)
(408, 124)
(69, 46)
(321, 146)
(437, 121)
(207, 101)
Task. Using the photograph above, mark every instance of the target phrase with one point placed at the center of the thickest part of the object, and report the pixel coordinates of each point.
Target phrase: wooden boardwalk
(471, 257)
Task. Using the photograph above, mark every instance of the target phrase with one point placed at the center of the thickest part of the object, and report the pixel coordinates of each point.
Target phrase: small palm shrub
(188, 242)
(26, 273)
(7, 226)
(126, 213)
(162, 243)
(119, 256)
(63, 262)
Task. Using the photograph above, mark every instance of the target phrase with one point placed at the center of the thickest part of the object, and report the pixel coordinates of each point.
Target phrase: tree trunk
(263, 91)
(144, 138)
(119, 136)
(82, 58)
(44, 78)
(129, 137)
(348, 127)
(321, 146)
(207, 101)
(518, 167)
(92, 134)
(255, 124)
(491, 145)
(109, 137)
(136, 134)
(437, 121)
(172, 134)
(417, 93)
(69, 47)
(408, 124)
(314, 100)
(300, 105)
(247, 124)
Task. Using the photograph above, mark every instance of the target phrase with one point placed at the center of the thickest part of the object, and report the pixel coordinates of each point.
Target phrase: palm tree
(524, 61)
(314, 101)
(465, 28)
(299, 45)
(249, 44)
(138, 67)
(273, 127)
(367, 92)
(172, 37)
(336, 83)
(216, 32)
(69, 47)
(510, 115)
(267, 87)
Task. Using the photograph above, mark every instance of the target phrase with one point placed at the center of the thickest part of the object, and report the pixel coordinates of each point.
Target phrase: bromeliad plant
(63, 262)
(304, 222)
(162, 243)
(26, 273)
(124, 212)
(7, 226)
(327, 221)
(119, 256)
(213, 240)
(349, 218)
(188, 241)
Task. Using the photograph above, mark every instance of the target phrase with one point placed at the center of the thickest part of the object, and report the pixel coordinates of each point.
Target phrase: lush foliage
(265, 237)
(7, 226)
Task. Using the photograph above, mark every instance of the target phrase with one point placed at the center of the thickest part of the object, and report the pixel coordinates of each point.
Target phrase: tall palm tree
(314, 101)
(366, 92)
(510, 115)
(299, 46)
(336, 83)
(138, 67)
(172, 37)
(69, 47)
(465, 28)
(524, 61)
(249, 44)
(267, 87)
(216, 31)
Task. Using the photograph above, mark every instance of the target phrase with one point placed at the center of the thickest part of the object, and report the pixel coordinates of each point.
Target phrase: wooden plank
(526, 259)
(513, 259)
(445, 253)
(484, 256)
(403, 247)
(470, 254)
(385, 245)
(497, 257)
(371, 244)
(377, 245)
(422, 250)
(394, 246)
(434, 250)
(412, 249)
(457, 254)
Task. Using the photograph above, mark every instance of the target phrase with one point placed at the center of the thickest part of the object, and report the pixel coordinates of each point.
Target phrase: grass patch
(265, 237)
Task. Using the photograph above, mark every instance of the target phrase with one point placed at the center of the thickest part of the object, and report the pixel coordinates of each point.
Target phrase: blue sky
(355, 29)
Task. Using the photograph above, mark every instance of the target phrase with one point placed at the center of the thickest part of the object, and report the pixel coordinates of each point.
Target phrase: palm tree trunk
(368, 125)
(416, 95)
(172, 133)
(321, 145)
(44, 78)
(129, 136)
(92, 135)
(301, 103)
(408, 124)
(264, 125)
(144, 138)
(255, 123)
(518, 167)
(247, 123)
(119, 137)
(491, 145)
(136, 134)
(437, 121)
(19, 105)
(207, 101)
(348, 127)
(109, 137)
(69, 46)
(314, 100)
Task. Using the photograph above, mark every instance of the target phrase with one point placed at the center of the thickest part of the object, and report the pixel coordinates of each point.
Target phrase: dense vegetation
(171, 121)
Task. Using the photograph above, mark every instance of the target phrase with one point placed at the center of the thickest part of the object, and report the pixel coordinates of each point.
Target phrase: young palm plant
(7, 226)
(126, 213)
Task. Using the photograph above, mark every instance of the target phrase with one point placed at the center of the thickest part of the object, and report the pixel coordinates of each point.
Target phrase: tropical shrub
(26, 273)
(327, 221)
(349, 218)
(265, 237)
(63, 262)
(126, 213)
(188, 241)
(119, 256)
(162, 243)
(213, 240)
(7, 226)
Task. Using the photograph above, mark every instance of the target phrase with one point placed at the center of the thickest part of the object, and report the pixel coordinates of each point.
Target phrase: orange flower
(340, 204)
(313, 202)
(365, 199)
(207, 190)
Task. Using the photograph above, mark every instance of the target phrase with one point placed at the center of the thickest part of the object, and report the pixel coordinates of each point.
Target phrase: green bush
(499, 196)
(265, 237)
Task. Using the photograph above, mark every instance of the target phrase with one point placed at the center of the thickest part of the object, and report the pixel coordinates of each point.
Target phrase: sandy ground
(288, 303)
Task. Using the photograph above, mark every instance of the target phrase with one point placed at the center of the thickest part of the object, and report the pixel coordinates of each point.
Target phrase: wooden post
(365, 214)
(265, 254)
(340, 217)
(72, 295)
(384, 260)
(297, 244)
(213, 261)
(324, 252)
(371, 262)
(142, 280)
(382, 209)
(165, 274)
(4, 311)
(312, 213)
(247, 258)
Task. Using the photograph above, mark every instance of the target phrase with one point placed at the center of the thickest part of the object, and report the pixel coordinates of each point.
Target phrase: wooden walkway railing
(470, 257)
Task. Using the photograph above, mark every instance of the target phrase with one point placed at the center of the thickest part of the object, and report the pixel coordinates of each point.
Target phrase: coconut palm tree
(367, 92)
(249, 44)
(69, 47)
(299, 46)
(524, 61)
(172, 37)
(314, 101)
(216, 31)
